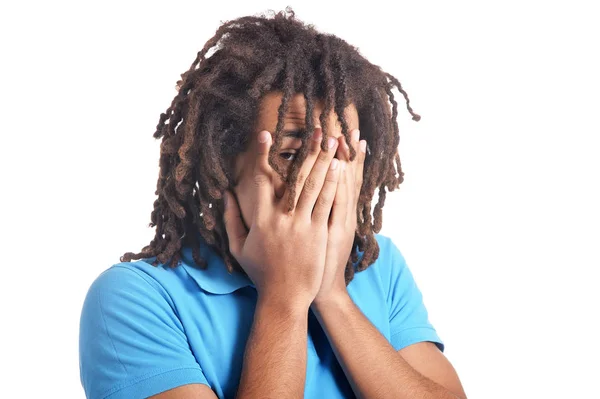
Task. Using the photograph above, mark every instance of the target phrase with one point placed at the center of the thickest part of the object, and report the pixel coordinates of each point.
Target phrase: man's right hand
(283, 253)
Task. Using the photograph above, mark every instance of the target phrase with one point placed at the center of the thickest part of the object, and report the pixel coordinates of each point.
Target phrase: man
(266, 277)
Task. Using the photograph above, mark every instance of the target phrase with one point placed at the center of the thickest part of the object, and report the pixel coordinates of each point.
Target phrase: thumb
(234, 225)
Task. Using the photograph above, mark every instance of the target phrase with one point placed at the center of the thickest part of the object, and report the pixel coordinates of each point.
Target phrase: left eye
(288, 156)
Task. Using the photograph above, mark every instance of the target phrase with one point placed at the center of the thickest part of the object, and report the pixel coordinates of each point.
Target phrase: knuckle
(260, 223)
(260, 179)
(289, 215)
(337, 229)
(332, 177)
(299, 227)
(323, 156)
(310, 184)
(314, 148)
(324, 199)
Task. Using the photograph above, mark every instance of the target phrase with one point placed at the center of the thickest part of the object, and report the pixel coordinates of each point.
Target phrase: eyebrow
(295, 133)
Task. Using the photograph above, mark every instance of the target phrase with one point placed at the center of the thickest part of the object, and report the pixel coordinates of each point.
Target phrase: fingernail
(363, 145)
(318, 134)
(263, 136)
(355, 134)
(331, 142)
(334, 163)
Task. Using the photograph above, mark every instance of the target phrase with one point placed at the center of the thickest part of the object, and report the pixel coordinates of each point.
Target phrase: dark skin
(291, 279)
(339, 245)
(207, 127)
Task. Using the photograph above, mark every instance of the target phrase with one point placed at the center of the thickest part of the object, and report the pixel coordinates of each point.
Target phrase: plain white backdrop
(498, 216)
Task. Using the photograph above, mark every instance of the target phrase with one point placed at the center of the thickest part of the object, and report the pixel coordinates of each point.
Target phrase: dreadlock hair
(207, 126)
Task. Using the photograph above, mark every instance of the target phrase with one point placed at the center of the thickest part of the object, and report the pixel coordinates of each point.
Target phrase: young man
(266, 277)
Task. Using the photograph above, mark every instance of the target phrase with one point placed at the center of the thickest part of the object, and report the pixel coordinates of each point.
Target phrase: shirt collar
(215, 278)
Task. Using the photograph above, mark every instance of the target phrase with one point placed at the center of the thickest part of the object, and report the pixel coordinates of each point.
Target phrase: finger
(234, 225)
(279, 184)
(343, 149)
(354, 137)
(339, 211)
(324, 201)
(262, 177)
(351, 173)
(314, 182)
(351, 188)
(360, 166)
(314, 148)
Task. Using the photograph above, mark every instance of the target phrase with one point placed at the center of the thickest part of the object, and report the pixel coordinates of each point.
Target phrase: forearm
(370, 362)
(275, 356)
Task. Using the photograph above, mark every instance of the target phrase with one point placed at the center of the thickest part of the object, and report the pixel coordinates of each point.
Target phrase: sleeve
(409, 321)
(131, 342)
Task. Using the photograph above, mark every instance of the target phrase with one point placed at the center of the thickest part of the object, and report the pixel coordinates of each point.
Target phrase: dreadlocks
(207, 126)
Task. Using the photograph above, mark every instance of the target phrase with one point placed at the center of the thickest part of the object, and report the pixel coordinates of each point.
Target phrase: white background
(498, 216)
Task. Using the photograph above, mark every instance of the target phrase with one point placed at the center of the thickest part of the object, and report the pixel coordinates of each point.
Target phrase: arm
(275, 354)
(370, 362)
(130, 344)
(275, 357)
(374, 368)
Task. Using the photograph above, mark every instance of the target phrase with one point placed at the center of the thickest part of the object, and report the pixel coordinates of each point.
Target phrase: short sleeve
(131, 342)
(409, 321)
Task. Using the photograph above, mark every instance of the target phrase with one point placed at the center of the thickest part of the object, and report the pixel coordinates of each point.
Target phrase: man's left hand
(343, 219)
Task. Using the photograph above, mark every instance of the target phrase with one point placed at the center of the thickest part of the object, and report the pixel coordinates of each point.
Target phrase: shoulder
(388, 251)
(124, 293)
(389, 275)
(382, 273)
(127, 281)
(118, 293)
(390, 261)
(408, 317)
(130, 332)
(124, 276)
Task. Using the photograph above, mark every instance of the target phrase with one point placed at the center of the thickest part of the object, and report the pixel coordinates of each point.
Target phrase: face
(293, 121)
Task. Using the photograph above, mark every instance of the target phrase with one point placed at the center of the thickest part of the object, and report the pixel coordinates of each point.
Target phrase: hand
(343, 220)
(284, 252)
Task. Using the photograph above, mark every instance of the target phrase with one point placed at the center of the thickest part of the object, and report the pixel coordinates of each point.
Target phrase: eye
(288, 156)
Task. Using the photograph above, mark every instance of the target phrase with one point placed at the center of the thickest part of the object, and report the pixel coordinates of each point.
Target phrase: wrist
(337, 300)
(285, 304)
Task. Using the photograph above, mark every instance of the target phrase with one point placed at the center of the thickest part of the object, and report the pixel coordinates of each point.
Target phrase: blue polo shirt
(147, 329)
